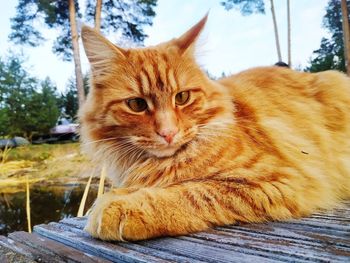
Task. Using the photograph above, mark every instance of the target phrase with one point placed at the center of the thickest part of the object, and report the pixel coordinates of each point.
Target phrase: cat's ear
(186, 42)
(100, 51)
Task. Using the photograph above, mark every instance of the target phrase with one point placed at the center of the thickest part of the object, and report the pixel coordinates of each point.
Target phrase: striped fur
(269, 143)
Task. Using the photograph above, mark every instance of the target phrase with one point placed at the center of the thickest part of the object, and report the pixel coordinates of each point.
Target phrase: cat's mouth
(165, 151)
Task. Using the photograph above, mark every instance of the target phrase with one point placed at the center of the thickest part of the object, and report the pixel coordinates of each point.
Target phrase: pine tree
(27, 106)
(330, 55)
(126, 18)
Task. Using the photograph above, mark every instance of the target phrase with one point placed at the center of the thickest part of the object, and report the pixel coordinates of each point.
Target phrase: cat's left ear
(100, 52)
(186, 42)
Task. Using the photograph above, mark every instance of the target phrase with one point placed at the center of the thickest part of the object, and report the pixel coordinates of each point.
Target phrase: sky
(230, 42)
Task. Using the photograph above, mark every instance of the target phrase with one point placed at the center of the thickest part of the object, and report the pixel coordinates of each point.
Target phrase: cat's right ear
(100, 51)
(186, 42)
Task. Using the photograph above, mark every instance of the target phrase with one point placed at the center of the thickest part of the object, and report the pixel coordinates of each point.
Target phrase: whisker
(102, 140)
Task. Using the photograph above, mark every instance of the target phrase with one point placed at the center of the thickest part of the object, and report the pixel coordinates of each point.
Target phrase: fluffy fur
(266, 144)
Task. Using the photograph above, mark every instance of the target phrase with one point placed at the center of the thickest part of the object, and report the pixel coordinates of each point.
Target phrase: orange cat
(189, 153)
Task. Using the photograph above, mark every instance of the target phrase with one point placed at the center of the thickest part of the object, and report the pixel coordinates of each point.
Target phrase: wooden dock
(323, 237)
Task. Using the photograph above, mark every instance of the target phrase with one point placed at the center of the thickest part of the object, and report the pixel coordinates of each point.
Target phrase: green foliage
(246, 7)
(43, 108)
(15, 88)
(31, 14)
(69, 99)
(26, 104)
(330, 55)
(124, 17)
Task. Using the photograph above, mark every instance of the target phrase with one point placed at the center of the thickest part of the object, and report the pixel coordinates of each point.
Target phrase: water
(47, 203)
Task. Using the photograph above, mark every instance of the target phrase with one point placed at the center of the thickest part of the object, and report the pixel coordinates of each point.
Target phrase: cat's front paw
(116, 218)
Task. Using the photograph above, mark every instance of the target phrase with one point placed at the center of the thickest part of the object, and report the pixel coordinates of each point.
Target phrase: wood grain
(324, 237)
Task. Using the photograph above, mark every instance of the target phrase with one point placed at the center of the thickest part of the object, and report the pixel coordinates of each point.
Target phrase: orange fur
(269, 143)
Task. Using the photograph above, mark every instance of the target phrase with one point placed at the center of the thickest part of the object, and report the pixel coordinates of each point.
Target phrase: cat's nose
(168, 134)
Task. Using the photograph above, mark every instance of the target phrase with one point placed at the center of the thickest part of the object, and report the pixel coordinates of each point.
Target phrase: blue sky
(230, 43)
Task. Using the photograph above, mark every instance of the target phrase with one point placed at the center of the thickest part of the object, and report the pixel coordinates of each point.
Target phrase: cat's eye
(137, 104)
(182, 97)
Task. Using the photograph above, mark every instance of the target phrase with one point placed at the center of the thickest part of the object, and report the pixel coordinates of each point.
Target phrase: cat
(188, 153)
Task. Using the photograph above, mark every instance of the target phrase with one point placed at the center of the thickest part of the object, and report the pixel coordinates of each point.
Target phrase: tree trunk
(289, 35)
(346, 35)
(276, 31)
(76, 54)
(98, 15)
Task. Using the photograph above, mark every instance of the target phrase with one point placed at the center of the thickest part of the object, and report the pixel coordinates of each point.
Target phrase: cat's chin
(165, 152)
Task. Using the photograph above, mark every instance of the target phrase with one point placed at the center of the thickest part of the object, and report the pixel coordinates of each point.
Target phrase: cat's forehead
(155, 70)
(152, 55)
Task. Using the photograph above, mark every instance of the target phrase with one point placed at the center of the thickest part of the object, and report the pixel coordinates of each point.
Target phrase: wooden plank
(285, 249)
(147, 247)
(177, 250)
(277, 242)
(205, 252)
(56, 252)
(181, 248)
(323, 237)
(304, 229)
(331, 218)
(76, 222)
(26, 251)
(10, 255)
(342, 211)
(73, 224)
(41, 249)
(298, 233)
(83, 242)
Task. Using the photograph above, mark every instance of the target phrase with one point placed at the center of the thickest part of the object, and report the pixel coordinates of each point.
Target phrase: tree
(289, 35)
(330, 55)
(16, 87)
(248, 7)
(43, 108)
(277, 40)
(26, 104)
(124, 17)
(76, 53)
(33, 14)
(98, 11)
(346, 34)
(68, 100)
(55, 14)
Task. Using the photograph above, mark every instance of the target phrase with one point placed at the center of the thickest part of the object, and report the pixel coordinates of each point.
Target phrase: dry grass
(4, 154)
(101, 189)
(47, 162)
(28, 206)
(84, 197)
(55, 164)
(101, 185)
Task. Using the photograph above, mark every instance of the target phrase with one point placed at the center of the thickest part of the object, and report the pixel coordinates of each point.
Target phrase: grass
(42, 152)
(62, 163)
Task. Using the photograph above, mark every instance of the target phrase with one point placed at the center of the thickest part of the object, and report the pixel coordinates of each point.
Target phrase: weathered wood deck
(324, 237)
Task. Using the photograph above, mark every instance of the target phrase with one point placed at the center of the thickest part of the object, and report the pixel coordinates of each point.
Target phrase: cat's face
(154, 100)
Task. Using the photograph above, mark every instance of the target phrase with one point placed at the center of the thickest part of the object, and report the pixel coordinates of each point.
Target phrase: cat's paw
(116, 218)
